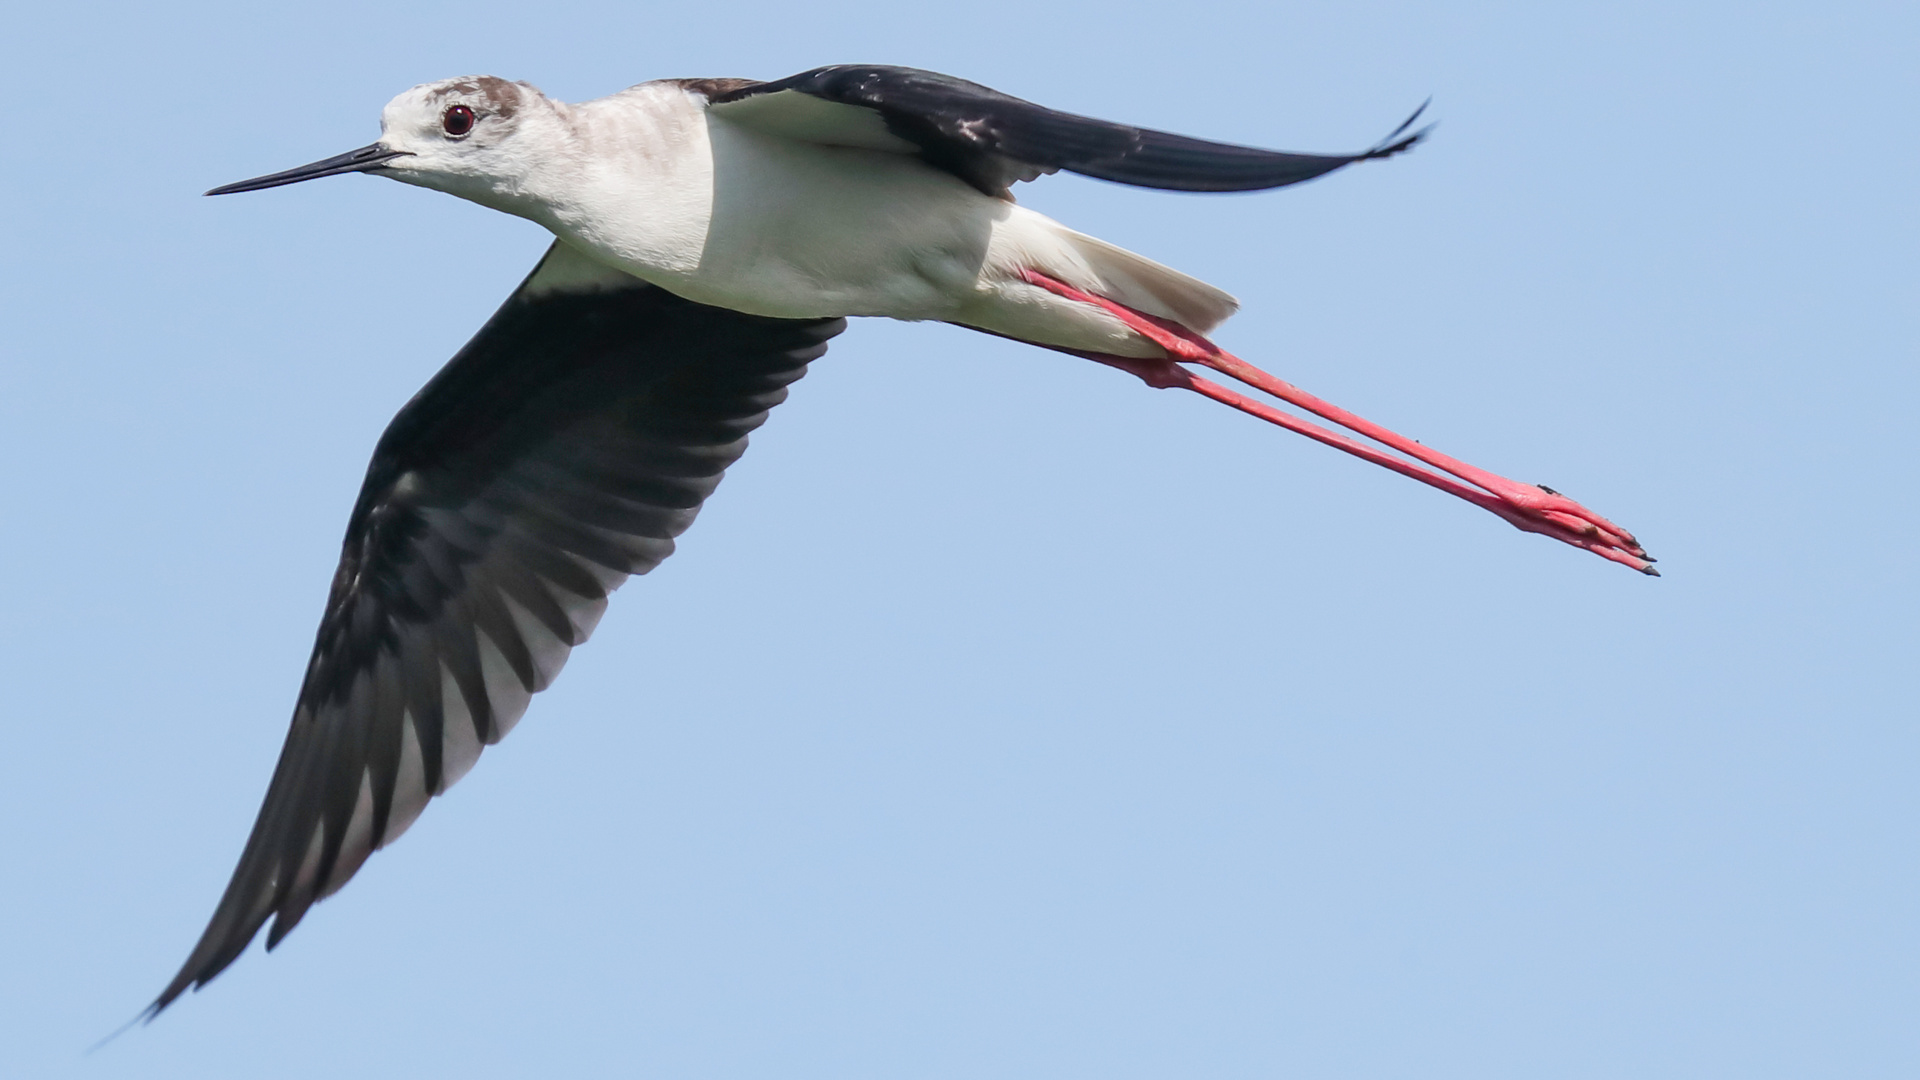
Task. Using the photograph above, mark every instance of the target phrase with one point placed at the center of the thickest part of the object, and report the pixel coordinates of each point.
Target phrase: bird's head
(468, 136)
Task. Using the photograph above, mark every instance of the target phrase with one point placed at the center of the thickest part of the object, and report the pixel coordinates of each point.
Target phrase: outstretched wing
(991, 140)
(561, 450)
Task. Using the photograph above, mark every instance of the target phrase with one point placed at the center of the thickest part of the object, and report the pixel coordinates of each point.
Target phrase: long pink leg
(1526, 506)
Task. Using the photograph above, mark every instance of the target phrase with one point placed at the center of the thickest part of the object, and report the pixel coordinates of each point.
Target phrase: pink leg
(1526, 506)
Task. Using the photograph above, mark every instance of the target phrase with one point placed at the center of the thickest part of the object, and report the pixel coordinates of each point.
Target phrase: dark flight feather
(992, 140)
(561, 450)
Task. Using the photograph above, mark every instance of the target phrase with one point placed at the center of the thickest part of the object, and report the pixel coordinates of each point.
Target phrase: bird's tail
(1145, 285)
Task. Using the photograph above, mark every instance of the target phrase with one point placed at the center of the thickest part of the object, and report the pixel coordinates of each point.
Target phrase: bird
(710, 236)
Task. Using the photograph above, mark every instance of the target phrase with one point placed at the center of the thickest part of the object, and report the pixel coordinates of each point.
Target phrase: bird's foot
(1539, 509)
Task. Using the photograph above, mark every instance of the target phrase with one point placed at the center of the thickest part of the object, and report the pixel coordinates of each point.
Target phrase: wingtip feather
(1394, 143)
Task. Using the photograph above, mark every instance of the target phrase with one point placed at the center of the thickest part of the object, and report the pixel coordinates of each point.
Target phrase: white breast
(729, 216)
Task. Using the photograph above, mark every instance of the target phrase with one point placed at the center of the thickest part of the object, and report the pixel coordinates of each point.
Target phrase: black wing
(991, 140)
(561, 450)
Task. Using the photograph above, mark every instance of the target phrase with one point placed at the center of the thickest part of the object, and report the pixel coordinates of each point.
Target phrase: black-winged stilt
(711, 235)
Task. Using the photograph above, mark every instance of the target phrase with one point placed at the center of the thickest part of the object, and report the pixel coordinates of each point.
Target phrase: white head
(478, 137)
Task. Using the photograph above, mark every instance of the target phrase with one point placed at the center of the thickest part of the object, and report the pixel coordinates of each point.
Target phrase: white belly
(805, 229)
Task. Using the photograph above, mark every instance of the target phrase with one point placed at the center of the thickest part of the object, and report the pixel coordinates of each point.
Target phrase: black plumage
(991, 139)
(561, 450)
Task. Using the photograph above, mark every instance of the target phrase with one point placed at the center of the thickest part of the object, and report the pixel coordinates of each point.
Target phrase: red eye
(457, 120)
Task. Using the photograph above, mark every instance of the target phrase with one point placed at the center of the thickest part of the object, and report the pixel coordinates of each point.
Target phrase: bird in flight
(710, 236)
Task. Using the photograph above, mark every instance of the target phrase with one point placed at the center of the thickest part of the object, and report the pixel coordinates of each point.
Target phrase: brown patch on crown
(501, 98)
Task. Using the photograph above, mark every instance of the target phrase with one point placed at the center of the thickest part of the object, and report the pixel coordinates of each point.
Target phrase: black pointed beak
(365, 159)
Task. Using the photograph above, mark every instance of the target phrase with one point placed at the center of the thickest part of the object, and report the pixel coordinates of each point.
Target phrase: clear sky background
(1001, 717)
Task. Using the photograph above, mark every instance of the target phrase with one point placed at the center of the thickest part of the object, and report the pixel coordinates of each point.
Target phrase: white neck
(629, 175)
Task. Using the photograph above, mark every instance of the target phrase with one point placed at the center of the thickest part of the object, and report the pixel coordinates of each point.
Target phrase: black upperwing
(992, 140)
(561, 450)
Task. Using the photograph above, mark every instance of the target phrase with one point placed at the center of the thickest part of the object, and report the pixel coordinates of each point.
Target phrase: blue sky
(1001, 717)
